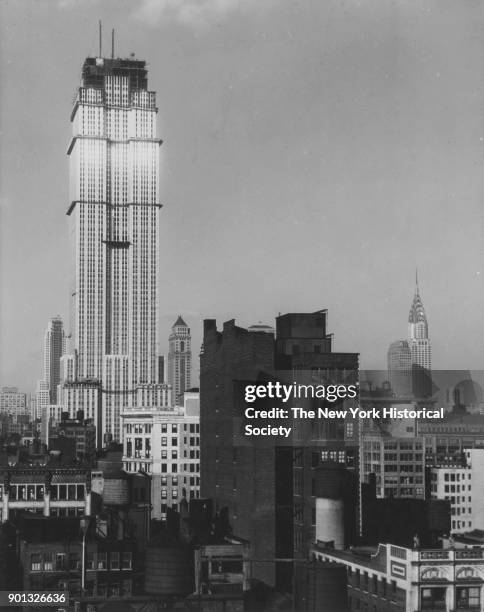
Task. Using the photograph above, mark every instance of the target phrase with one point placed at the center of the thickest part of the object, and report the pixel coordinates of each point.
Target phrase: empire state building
(114, 225)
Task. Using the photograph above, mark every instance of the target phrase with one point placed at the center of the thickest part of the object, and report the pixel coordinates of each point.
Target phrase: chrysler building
(419, 343)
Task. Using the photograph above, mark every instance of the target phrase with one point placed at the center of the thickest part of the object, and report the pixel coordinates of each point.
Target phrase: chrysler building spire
(418, 333)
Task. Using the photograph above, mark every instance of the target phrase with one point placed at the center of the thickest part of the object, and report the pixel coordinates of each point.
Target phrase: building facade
(393, 578)
(179, 360)
(397, 463)
(45, 491)
(399, 360)
(453, 483)
(114, 216)
(13, 401)
(51, 556)
(164, 442)
(54, 348)
(246, 477)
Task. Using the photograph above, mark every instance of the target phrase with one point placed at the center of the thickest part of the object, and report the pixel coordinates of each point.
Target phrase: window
(468, 597)
(60, 561)
(90, 561)
(74, 561)
(126, 560)
(36, 562)
(114, 558)
(433, 598)
(102, 561)
(48, 562)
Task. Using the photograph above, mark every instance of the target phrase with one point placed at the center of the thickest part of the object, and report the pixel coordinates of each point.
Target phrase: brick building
(50, 555)
(266, 484)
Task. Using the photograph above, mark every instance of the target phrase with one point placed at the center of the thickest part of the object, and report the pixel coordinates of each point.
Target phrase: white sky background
(314, 153)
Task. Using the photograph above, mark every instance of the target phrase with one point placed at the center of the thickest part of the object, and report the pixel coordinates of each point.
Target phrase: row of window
(456, 488)
(193, 480)
(51, 562)
(432, 598)
(63, 492)
(174, 428)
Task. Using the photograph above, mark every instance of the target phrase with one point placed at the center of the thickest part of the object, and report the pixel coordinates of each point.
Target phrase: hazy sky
(314, 153)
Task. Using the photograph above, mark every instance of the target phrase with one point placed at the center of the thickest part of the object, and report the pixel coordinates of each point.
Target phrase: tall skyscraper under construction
(114, 211)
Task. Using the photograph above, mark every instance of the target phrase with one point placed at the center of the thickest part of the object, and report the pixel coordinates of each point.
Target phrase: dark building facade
(267, 485)
(239, 478)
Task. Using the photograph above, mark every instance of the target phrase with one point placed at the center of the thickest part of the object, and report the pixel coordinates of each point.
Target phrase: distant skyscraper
(54, 348)
(419, 343)
(179, 360)
(114, 214)
(399, 359)
(13, 401)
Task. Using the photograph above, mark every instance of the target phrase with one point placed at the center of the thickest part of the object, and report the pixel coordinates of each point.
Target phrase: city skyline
(270, 154)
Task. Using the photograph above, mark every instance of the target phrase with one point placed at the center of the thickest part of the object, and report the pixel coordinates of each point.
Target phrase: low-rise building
(45, 491)
(165, 443)
(398, 464)
(453, 483)
(460, 483)
(392, 578)
(222, 568)
(51, 558)
(81, 432)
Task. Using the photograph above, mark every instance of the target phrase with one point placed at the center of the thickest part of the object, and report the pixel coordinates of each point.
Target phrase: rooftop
(96, 68)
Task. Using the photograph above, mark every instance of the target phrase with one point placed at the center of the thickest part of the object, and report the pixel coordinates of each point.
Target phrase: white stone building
(164, 442)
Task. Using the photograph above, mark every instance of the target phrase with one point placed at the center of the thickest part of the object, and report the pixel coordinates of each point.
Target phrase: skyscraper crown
(417, 310)
(180, 322)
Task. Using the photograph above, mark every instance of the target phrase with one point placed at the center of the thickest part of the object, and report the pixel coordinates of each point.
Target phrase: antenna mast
(112, 44)
(100, 38)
